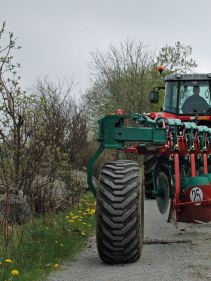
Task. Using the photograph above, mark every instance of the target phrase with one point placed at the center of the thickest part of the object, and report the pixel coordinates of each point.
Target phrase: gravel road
(169, 254)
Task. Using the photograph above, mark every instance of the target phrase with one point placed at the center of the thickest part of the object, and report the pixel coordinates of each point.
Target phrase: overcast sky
(57, 37)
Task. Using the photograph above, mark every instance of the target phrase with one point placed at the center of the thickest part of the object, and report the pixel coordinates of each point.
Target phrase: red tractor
(176, 144)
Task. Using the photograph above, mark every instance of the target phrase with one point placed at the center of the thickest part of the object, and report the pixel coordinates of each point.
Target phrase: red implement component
(189, 211)
(205, 163)
(120, 111)
(160, 68)
(183, 118)
(131, 149)
(177, 177)
(193, 165)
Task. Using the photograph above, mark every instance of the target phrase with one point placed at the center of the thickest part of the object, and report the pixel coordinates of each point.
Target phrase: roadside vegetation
(40, 246)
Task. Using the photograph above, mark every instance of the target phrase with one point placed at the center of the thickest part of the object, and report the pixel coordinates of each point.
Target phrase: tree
(13, 113)
(120, 79)
(43, 133)
(176, 58)
(123, 76)
(57, 142)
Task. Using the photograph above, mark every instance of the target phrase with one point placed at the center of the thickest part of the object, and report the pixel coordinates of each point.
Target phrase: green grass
(42, 245)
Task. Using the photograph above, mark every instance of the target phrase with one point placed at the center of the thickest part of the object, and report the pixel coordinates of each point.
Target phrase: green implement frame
(114, 134)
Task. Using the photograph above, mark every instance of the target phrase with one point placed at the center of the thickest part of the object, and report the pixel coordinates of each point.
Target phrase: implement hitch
(114, 134)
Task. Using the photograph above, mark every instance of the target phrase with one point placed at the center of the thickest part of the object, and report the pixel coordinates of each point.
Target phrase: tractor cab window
(194, 97)
(170, 101)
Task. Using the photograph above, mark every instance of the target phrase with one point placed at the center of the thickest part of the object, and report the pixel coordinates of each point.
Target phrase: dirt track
(169, 254)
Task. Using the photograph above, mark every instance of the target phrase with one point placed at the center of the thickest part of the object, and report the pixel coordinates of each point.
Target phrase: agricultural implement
(176, 144)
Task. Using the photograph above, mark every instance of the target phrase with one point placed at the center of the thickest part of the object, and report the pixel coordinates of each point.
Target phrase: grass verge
(40, 246)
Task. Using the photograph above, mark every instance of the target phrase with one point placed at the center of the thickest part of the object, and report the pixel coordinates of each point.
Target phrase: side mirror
(154, 97)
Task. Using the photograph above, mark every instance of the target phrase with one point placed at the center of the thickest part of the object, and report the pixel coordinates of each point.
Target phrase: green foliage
(121, 77)
(43, 135)
(177, 58)
(42, 245)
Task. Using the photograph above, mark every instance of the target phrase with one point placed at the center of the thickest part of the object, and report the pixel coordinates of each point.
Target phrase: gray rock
(17, 209)
(58, 194)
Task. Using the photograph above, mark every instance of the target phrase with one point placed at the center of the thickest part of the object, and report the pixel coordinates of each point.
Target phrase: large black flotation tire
(150, 162)
(120, 212)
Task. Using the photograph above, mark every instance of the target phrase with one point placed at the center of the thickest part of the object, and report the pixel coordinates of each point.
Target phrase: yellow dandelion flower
(84, 223)
(92, 211)
(71, 221)
(67, 217)
(14, 272)
(55, 266)
(79, 219)
(8, 260)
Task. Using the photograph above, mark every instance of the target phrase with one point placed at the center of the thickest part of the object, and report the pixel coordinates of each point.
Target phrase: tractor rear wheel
(150, 162)
(120, 212)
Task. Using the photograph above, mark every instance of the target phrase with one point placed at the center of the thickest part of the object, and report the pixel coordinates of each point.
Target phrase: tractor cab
(186, 95)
